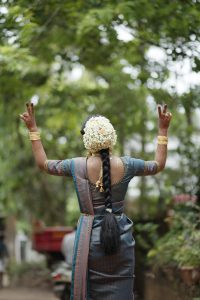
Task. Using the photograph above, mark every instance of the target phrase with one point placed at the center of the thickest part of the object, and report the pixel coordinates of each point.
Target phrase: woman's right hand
(29, 117)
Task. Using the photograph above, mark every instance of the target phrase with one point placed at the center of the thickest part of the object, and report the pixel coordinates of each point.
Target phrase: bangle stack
(34, 135)
(162, 140)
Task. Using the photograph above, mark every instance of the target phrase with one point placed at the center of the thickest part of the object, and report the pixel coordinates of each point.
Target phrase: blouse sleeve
(58, 167)
(135, 167)
(139, 167)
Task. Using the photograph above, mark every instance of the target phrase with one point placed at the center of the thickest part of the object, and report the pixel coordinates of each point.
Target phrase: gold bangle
(162, 143)
(162, 138)
(34, 135)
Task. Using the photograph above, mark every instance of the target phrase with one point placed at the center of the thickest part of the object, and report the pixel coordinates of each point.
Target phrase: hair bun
(99, 134)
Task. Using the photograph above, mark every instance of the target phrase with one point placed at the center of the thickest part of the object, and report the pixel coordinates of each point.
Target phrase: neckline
(125, 169)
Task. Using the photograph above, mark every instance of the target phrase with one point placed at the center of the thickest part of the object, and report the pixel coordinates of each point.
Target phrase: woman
(103, 259)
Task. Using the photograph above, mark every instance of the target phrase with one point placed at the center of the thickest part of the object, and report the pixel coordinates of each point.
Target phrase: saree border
(79, 285)
(75, 255)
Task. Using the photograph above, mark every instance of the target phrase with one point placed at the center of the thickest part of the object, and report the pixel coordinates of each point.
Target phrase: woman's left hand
(164, 116)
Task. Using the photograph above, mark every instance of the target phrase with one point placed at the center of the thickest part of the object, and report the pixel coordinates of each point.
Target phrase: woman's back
(122, 170)
(117, 169)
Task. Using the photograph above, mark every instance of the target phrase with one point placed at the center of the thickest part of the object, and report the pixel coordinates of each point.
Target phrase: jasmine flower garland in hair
(99, 134)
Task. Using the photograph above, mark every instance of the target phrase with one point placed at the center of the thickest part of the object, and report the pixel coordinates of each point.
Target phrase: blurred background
(119, 59)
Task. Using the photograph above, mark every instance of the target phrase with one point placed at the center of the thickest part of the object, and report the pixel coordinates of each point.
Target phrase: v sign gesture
(29, 117)
(38, 151)
(164, 117)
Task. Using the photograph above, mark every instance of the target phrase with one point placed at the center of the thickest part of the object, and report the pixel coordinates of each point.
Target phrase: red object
(57, 277)
(183, 198)
(49, 239)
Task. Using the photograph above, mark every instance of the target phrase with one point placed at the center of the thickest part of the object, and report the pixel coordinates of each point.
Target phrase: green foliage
(146, 235)
(42, 42)
(180, 246)
(21, 269)
(29, 274)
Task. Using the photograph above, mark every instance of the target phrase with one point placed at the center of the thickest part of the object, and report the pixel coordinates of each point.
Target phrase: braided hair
(110, 233)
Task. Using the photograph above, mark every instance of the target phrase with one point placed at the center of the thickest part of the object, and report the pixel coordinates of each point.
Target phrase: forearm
(38, 151)
(153, 167)
(161, 151)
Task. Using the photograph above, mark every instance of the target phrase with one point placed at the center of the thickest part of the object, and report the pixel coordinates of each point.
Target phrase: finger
(164, 108)
(159, 111)
(28, 108)
(32, 109)
(25, 114)
(22, 117)
(169, 115)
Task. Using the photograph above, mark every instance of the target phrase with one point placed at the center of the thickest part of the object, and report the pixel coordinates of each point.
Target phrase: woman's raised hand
(164, 116)
(29, 117)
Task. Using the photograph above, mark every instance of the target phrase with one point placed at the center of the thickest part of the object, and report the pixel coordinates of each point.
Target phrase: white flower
(99, 134)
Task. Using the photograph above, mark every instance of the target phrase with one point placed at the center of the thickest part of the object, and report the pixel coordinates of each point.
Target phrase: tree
(42, 42)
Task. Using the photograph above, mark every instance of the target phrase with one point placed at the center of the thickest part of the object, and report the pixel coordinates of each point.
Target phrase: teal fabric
(133, 167)
(110, 276)
(59, 167)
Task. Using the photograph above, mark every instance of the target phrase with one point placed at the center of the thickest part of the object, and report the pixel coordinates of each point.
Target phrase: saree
(96, 276)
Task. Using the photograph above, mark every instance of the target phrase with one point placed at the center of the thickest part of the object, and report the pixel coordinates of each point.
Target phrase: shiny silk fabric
(96, 276)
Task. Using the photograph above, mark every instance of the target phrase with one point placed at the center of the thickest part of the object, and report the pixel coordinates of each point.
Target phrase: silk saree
(96, 276)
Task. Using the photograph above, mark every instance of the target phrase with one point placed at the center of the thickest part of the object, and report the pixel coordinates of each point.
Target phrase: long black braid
(110, 233)
(106, 177)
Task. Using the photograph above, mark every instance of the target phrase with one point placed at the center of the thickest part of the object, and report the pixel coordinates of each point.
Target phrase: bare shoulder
(116, 168)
